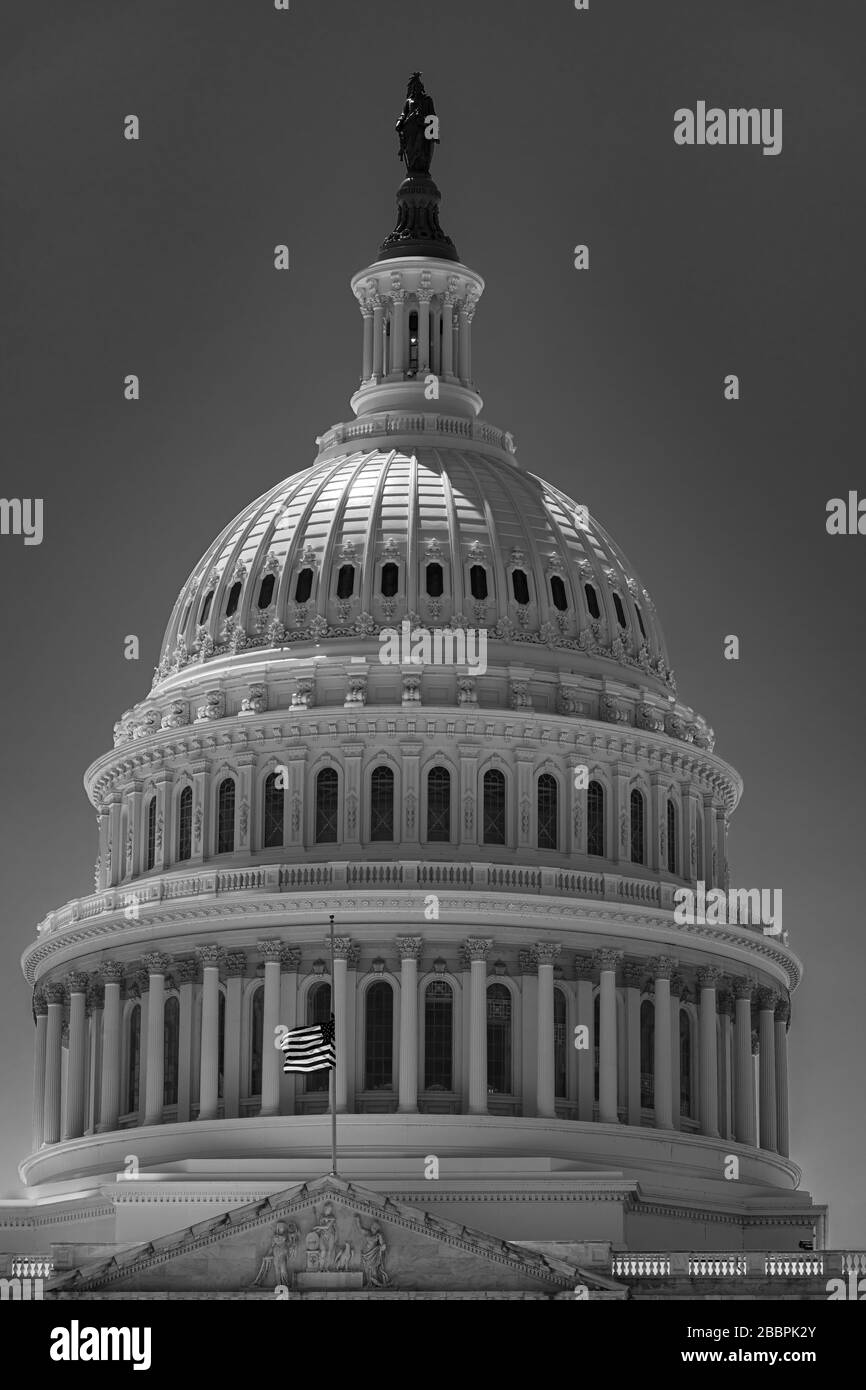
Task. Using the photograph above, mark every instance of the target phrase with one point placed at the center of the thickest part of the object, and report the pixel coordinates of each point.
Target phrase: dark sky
(259, 127)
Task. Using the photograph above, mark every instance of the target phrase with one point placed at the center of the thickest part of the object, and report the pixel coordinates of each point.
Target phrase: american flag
(311, 1048)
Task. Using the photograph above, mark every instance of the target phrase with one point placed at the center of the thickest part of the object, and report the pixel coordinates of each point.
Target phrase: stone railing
(414, 423)
(396, 873)
(730, 1264)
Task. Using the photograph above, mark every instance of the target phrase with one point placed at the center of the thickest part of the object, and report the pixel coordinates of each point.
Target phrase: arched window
(434, 580)
(560, 1039)
(673, 819)
(592, 601)
(170, 1050)
(438, 1036)
(266, 592)
(382, 804)
(478, 581)
(133, 1060)
(699, 841)
(640, 621)
(390, 577)
(257, 1032)
(439, 804)
(303, 586)
(379, 1038)
(499, 1039)
(318, 1011)
(233, 599)
(151, 832)
(685, 1063)
(221, 1051)
(346, 581)
(205, 608)
(595, 818)
(326, 807)
(226, 816)
(638, 851)
(272, 821)
(184, 825)
(547, 811)
(647, 1054)
(494, 807)
(620, 611)
(413, 342)
(520, 585)
(558, 594)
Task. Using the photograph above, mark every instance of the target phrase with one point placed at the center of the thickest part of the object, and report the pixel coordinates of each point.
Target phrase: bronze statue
(414, 129)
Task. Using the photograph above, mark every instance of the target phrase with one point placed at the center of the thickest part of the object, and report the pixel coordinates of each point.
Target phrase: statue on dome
(417, 132)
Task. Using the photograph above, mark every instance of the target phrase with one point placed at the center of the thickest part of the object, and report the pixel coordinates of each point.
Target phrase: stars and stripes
(311, 1048)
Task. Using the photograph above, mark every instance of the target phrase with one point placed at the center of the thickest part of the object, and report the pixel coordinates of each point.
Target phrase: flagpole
(332, 1076)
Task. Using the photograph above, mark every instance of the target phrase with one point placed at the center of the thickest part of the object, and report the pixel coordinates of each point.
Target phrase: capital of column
(236, 964)
(409, 947)
(270, 948)
(95, 997)
(290, 959)
(477, 947)
(525, 963)
(767, 998)
(677, 985)
(783, 1010)
(632, 975)
(584, 967)
(40, 1005)
(545, 952)
(209, 955)
(156, 962)
(725, 1003)
(111, 972)
(77, 981)
(744, 987)
(342, 947)
(185, 970)
(708, 976)
(662, 967)
(55, 993)
(607, 959)
(142, 981)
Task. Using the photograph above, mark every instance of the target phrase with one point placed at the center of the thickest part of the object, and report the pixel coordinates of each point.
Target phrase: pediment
(327, 1237)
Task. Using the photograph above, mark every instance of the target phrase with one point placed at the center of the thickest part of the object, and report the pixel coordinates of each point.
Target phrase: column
(477, 948)
(574, 829)
(208, 1100)
(463, 338)
(409, 948)
(410, 820)
(397, 365)
(423, 332)
(163, 838)
(245, 762)
(95, 1000)
(447, 335)
(726, 1008)
(141, 982)
(156, 964)
(293, 818)
(133, 833)
(367, 362)
(40, 1010)
(352, 814)
(544, 955)
(524, 758)
(73, 1126)
(744, 1122)
(200, 827)
(656, 857)
(719, 848)
(782, 1016)
(677, 987)
(607, 962)
(767, 1001)
(185, 973)
(339, 996)
(632, 975)
(584, 972)
(708, 978)
(709, 840)
(236, 965)
(378, 333)
(290, 959)
(468, 800)
(103, 821)
(621, 816)
(436, 336)
(111, 972)
(270, 951)
(662, 968)
(528, 1069)
(55, 995)
(467, 359)
(113, 864)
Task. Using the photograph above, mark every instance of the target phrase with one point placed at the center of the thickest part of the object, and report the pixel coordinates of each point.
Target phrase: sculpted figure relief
(373, 1251)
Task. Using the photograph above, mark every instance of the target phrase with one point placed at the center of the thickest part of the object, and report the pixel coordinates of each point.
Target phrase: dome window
(439, 804)
(620, 611)
(272, 822)
(390, 578)
(673, 828)
(547, 809)
(478, 582)
(558, 594)
(303, 586)
(640, 622)
(266, 592)
(327, 806)
(151, 832)
(346, 581)
(184, 830)
(234, 599)
(520, 585)
(595, 818)
(592, 601)
(413, 342)
(226, 816)
(494, 807)
(434, 581)
(205, 608)
(382, 804)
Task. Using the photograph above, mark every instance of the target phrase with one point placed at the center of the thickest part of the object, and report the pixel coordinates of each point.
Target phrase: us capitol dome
(499, 843)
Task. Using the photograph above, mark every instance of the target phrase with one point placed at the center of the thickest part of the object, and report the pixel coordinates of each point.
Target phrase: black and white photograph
(432, 555)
